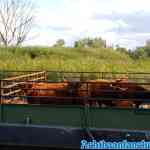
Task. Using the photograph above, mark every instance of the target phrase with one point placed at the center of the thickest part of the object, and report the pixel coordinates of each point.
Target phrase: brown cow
(107, 89)
(46, 90)
(95, 88)
(15, 100)
(54, 92)
(125, 104)
(130, 90)
(145, 106)
(114, 89)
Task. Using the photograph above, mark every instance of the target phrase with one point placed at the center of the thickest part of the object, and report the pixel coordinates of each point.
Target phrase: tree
(121, 49)
(59, 43)
(16, 20)
(79, 44)
(90, 42)
(139, 52)
(98, 42)
(147, 43)
(147, 50)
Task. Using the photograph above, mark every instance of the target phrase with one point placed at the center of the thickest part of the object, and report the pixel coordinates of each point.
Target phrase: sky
(123, 22)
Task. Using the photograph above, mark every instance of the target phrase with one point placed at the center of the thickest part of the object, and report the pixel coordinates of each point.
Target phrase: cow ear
(118, 80)
(65, 80)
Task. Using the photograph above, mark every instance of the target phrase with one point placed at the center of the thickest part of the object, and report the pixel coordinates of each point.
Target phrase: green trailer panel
(71, 116)
(119, 118)
(42, 115)
(1, 106)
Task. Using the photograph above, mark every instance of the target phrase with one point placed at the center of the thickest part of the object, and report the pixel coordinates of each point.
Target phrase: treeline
(139, 52)
(99, 43)
(84, 43)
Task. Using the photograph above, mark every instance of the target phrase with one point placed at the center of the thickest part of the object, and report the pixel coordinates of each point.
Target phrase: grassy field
(70, 59)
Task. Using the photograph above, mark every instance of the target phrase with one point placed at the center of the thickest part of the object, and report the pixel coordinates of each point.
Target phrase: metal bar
(1, 102)
(24, 76)
(82, 98)
(76, 71)
(40, 78)
(12, 85)
(106, 83)
(1, 86)
(98, 90)
(121, 130)
(10, 93)
(35, 76)
(52, 71)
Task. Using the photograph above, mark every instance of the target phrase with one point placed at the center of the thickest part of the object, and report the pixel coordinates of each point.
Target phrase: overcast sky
(123, 22)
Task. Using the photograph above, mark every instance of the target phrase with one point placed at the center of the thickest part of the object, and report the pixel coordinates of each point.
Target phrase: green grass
(70, 59)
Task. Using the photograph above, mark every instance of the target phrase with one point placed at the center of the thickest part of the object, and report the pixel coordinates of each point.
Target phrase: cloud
(131, 28)
(136, 22)
(59, 28)
(118, 21)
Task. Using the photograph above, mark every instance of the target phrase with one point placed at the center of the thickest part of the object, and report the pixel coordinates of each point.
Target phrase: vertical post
(0, 91)
(85, 123)
(99, 76)
(86, 117)
(1, 101)
(1, 87)
(102, 75)
(46, 75)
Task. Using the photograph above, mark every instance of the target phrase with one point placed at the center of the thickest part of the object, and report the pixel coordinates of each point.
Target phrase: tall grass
(70, 59)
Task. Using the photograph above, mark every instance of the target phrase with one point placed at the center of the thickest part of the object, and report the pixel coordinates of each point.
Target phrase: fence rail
(68, 74)
(11, 85)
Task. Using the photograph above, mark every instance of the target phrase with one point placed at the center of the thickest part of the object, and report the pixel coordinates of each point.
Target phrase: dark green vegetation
(75, 59)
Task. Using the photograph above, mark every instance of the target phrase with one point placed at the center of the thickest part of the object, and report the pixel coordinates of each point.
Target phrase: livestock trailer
(74, 117)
